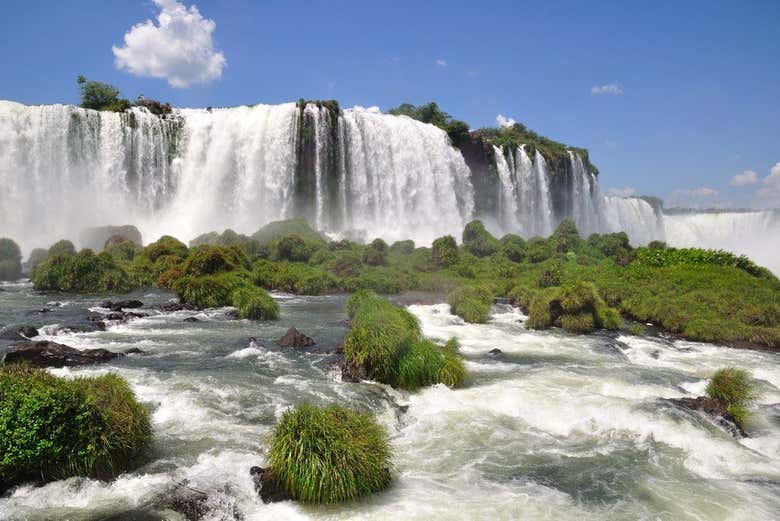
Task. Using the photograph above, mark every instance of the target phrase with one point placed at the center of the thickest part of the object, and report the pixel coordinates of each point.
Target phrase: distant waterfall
(635, 216)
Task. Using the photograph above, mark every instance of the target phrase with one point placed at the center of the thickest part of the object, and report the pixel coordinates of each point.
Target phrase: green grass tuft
(471, 303)
(329, 454)
(255, 303)
(735, 390)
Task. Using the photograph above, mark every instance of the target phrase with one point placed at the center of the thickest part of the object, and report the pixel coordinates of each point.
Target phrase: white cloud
(769, 193)
(180, 48)
(505, 122)
(748, 177)
(441, 62)
(621, 192)
(613, 89)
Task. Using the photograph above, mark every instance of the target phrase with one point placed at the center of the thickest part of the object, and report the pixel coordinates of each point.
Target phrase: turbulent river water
(554, 427)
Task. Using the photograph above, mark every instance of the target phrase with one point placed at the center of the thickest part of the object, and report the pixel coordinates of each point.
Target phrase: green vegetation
(457, 130)
(255, 303)
(701, 295)
(471, 303)
(10, 260)
(102, 96)
(329, 454)
(734, 389)
(387, 342)
(53, 428)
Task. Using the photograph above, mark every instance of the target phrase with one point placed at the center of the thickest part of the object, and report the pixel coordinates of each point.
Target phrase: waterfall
(586, 199)
(635, 216)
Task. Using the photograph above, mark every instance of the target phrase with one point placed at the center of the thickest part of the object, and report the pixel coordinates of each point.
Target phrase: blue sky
(687, 94)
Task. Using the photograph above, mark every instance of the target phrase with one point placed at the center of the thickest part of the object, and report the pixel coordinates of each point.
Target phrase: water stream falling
(64, 168)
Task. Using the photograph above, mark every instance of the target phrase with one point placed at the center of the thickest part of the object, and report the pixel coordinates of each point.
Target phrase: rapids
(554, 427)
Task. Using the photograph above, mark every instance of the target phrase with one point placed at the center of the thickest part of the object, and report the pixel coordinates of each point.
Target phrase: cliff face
(480, 158)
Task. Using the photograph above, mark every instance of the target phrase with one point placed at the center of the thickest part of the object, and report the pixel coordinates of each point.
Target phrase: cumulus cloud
(748, 177)
(505, 122)
(441, 62)
(179, 48)
(621, 192)
(612, 89)
(769, 193)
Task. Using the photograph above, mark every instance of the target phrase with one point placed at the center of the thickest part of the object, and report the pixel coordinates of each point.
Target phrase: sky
(675, 99)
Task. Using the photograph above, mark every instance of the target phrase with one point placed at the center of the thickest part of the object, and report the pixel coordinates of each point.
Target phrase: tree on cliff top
(100, 96)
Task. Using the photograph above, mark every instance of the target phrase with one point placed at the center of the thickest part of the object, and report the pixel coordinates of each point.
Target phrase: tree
(100, 96)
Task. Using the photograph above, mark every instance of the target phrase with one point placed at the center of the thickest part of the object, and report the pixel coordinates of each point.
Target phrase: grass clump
(83, 272)
(329, 454)
(471, 303)
(478, 241)
(576, 307)
(386, 340)
(52, 428)
(444, 252)
(255, 303)
(734, 389)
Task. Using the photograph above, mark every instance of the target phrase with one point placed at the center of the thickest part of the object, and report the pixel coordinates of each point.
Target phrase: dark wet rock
(18, 333)
(42, 310)
(656, 354)
(194, 504)
(712, 408)
(269, 491)
(135, 515)
(351, 372)
(190, 503)
(231, 314)
(97, 321)
(121, 304)
(191, 319)
(51, 354)
(171, 307)
(122, 316)
(495, 351)
(135, 351)
(294, 338)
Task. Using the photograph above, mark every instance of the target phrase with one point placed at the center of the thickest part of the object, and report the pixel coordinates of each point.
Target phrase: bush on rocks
(255, 303)
(478, 241)
(471, 303)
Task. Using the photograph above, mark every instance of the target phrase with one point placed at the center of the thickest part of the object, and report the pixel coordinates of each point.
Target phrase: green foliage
(386, 341)
(329, 454)
(457, 130)
(52, 428)
(206, 291)
(83, 272)
(10, 259)
(101, 96)
(538, 249)
(402, 247)
(566, 238)
(298, 226)
(293, 277)
(512, 247)
(294, 248)
(255, 303)
(155, 107)
(376, 253)
(478, 241)
(471, 303)
(664, 257)
(249, 246)
(37, 256)
(540, 310)
(577, 322)
(444, 252)
(576, 307)
(122, 249)
(63, 247)
(166, 245)
(209, 260)
(609, 244)
(550, 275)
(521, 295)
(734, 389)
(453, 372)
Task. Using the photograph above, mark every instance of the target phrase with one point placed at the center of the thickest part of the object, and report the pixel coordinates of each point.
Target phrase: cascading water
(64, 168)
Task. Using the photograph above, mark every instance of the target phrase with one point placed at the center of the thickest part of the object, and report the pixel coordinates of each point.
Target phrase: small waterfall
(508, 215)
(403, 178)
(586, 200)
(635, 216)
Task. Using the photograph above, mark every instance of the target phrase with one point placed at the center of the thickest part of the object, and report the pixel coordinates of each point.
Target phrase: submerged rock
(18, 333)
(51, 354)
(294, 338)
(171, 307)
(269, 491)
(495, 351)
(191, 319)
(712, 408)
(135, 351)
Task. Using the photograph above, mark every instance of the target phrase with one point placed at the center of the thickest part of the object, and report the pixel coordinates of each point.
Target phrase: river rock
(121, 304)
(712, 408)
(269, 491)
(192, 319)
(18, 333)
(495, 351)
(135, 351)
(171, 307)
(294, 338)
(51, 354)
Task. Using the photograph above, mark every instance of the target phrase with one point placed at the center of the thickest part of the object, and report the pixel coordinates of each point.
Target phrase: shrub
(471, 303)
(376, 253)
(293, 248)
(345, 263)
(10, 260)
(206, 291)
(566, 238)
(402, 247)
(734, 389)
(513, 247)
(418, 365)
(521, 296)
(255, 303)
(84, 272)
(63, 247)
(444, 252)
(275, 229)
(664, 257)
(550, 275)
(578, 322)
(209, 260)
(608, 244)
(166, 245)
(329, 454)
(293, 277)
(538, 250)
(37, 256)
(121, 249)
(96, 238)
(478, 241)
(52, 428)
(540, 313)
